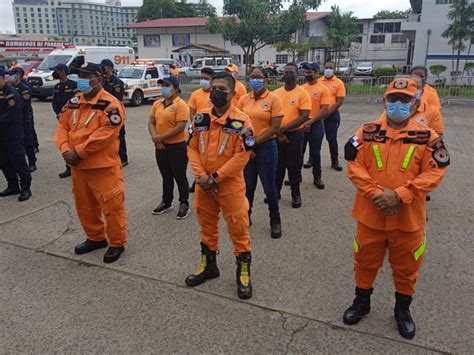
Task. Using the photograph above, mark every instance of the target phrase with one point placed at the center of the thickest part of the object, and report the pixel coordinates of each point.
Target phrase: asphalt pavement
(53, 301)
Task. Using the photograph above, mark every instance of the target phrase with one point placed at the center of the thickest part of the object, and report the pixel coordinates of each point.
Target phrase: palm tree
(342, 29)
(460, 29)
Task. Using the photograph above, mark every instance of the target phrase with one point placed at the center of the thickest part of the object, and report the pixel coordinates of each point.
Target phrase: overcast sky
(362, 9)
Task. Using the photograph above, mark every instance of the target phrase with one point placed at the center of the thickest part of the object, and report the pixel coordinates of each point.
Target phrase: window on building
(398, 38)
(360, 28)
(359, 39)
(377, 39)
(19, 31)
(443, 2)
(387, 27)
(281, 58)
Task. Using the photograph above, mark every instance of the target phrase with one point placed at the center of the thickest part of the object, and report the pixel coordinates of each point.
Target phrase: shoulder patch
(101, 105)
(440, 153)
(26, 95)
(11, 102)
(371, 128)
(114, 117)
(417, 137)
(201, 122)
(233, 126)
(352, 147)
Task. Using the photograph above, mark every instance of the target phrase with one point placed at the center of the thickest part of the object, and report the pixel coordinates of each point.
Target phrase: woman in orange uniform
(167, 127)
(220, 142)
(266, 112)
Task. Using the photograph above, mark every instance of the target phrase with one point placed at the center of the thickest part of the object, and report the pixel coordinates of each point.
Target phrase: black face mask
(309, 78)
(219, 98)
(56, 75)
(289, 79)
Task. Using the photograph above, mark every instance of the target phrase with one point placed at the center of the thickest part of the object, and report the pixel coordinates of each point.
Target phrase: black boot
(308, 164)
(287, 183)
(360, 306)
(32, 167)
(66, 173)
(113, 254)
(406, 324)
(192, 188)
(275, 226)
(295, 196)
(335, 165)
(88, 246)
(244, 286)
(10, 190)
(207, 270)
(317, 181)
(25, 194)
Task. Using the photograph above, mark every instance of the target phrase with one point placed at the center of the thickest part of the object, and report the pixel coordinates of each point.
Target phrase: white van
(216, 63)
(42, 81)
(141, 81)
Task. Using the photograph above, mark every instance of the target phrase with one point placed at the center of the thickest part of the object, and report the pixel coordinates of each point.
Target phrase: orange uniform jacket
(412, 162)
(426, 115)
(430, 95)
(91, 128)
(221, 145)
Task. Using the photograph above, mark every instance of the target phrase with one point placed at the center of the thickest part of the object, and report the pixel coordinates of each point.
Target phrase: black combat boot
(244, 286)
(113, 254)
(10, 191)
(406, 324)
(89, 245)
(25, 194)
(335, 165)
(317, 181)
(295, 196)
(275, 226)
(360, 306)
(207, 270)
(66, 173)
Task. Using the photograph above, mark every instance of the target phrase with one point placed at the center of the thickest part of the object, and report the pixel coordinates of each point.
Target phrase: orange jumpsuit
(221, 145)
(91, 128)
(412, 162)
(430, 95)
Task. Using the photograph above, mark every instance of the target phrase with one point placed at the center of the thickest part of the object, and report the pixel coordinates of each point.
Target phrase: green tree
(342, 29)
(154, 9)
(460, 29)
(437, 69)
(254, 24)
(397, 14)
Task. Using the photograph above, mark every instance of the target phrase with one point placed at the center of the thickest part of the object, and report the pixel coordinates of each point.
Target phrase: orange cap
(232, 68)
(405, 86)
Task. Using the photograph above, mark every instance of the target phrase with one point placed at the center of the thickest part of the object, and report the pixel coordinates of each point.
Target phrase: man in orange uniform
(427, 114)
(429, 93)
(240, 89)
(331, 123)
(314, 127)
(296, 107)
(220, 142)
(174, 70)
(394, 162)
(87, 136)
(200, 100)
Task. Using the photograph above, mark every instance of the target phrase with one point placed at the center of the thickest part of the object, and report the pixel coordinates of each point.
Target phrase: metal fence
(371, 89)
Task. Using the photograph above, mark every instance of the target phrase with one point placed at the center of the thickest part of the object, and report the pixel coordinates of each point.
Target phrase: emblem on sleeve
(237, 124)
(356, 141)
(198, 118)
(441, 155)
(11, 103)
(74, 100)
(114, 117)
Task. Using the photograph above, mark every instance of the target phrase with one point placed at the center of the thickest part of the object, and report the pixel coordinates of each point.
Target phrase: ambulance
(42, 81)
(141, 81)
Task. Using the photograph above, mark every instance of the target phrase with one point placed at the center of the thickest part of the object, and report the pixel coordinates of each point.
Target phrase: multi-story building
(81, 22)
(424, 29)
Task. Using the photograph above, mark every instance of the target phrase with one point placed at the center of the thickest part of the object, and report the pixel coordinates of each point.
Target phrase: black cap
(107, 63)
(89, 68)
(171, 80)
(60, 67)
(312, 66)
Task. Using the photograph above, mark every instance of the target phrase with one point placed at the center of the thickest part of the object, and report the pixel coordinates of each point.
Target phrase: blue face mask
(205, 84)
(11, 78)
(398, 111)
(256, 84)
(84, 86)
(328, 73)
(165, 91)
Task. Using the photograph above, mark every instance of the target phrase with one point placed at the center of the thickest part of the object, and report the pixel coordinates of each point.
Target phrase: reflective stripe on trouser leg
(368, 259)
(207, 215)
(406, 253)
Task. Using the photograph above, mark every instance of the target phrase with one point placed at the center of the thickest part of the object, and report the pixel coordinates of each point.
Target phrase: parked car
(364, 68)
(29, 66)
(216, 63)
(343, 66)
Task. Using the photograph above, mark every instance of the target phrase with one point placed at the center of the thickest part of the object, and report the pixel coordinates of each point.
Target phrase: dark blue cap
(89, 68)
(15, 71)
(171, 80)
(312, 66)
(62, 67)
(107, 63)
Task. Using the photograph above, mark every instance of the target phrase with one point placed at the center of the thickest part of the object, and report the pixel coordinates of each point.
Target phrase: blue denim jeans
(315, 138)
(331, 125)
(264, 165)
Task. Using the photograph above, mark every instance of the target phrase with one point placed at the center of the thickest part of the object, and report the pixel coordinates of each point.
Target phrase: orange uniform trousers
(99, 195)
(234, 207)
(405, 254)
